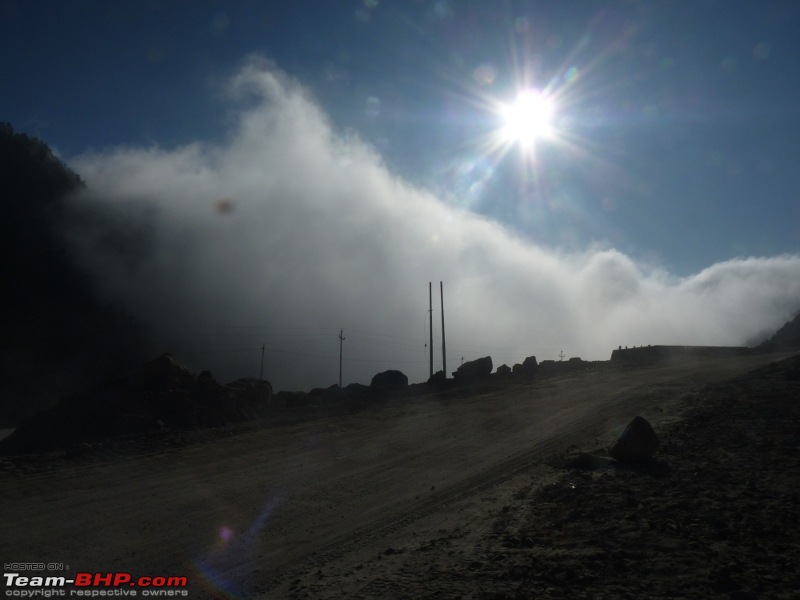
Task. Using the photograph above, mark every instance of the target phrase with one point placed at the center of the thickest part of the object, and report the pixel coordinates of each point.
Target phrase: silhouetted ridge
(57, 335)
(787, 336)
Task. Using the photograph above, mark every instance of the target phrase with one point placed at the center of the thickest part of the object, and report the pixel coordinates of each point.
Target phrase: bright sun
(528, 118)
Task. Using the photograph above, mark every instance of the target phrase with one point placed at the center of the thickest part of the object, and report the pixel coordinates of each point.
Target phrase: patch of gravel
(715, 518)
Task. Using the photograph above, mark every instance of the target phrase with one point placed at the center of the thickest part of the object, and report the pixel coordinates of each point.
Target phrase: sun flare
(528, 118)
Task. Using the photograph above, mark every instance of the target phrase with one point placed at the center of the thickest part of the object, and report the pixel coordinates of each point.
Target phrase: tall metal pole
(444, 351)
(261, 375)
(341, 339)
(430, 314)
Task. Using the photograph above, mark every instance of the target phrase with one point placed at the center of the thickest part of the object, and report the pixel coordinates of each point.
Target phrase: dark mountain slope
(787, 336)
(56, 335)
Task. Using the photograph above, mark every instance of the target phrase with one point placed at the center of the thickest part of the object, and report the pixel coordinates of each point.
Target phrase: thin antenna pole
(430, 314)
(261, 375)
(341, 339)
(561, 355)
(444, 351)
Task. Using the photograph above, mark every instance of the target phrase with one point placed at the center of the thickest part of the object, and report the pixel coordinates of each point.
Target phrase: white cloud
(287, 231)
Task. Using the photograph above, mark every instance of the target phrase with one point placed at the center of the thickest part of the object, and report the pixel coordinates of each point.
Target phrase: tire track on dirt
(578, 433)
(662, 391)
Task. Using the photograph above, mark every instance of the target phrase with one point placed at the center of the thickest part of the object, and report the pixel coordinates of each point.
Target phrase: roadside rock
(326, 394)
(252, 389)
(390, 380)
(504, 370)
(356, 389)
(474, 369)
(528, 367)
(437, 380)
(160, 396)
(637, 443)
(165, 373)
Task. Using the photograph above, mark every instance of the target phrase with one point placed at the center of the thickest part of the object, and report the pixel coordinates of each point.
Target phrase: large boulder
(637, 443)
(475, 369)
(504, 371)
(527, 368)
(390, 380)
(437, 380)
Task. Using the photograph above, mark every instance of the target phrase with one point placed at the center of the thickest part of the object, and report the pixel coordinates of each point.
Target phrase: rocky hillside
(161, 396)
(57, 335)
(787, 336)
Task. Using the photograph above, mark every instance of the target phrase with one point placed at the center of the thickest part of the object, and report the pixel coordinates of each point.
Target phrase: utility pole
(430, 326)
(341, 339)
(561, 356)
(261, 375)
(444, 351)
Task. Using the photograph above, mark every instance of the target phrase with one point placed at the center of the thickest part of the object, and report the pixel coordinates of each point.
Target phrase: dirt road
(253, 514)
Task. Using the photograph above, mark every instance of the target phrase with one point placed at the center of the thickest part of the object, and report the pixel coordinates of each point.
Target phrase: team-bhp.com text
(94, 585)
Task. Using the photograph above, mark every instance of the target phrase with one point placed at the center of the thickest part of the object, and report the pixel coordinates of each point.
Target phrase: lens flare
(226, 533)
(232, 549)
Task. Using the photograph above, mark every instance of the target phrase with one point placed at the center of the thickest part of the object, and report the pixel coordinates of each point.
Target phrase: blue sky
(684, 115)
(673, 144)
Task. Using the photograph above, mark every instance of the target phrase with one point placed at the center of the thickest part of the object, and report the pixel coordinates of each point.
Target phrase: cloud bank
(287, 231)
